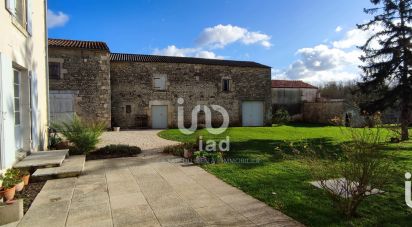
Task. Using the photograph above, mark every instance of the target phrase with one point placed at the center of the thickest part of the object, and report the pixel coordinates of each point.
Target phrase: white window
(21, 10)
(17, 97)
(159, 82)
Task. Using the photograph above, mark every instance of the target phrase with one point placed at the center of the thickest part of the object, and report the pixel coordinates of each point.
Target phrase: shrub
(281, 116)
(114, 151)
(363, 166)
(82, 134)
(178, 150)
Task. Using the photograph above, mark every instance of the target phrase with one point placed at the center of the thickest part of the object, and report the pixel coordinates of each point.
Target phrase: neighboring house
(291, 94)
(142, 91)
(23, 80)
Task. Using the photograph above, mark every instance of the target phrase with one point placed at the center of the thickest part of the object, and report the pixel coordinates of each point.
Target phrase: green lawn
(288, 176)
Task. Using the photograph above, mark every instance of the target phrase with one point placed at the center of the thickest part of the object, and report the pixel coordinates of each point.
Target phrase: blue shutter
(29, 16)
(11, 6)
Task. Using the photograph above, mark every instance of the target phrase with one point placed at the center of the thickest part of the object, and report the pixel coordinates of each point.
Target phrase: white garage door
(159, 116)
(252, 113)
(61, 107)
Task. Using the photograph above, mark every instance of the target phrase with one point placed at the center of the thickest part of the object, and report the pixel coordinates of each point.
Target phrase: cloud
(172, 50)
(207, 54)
(353, 38)
(221, 35)
(338, 29)
(336, 61)
(357, 37)
(56, 19)
(216, 37)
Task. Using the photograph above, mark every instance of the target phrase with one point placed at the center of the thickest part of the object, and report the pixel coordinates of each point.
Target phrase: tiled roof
(117, 57)
(94, 45)
(291, 84)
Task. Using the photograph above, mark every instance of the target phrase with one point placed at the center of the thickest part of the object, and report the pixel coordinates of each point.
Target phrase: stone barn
(79, 80)
(142, 91)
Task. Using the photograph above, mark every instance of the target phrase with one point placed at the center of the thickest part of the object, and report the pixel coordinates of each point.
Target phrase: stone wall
(132, 84)
(87, 74)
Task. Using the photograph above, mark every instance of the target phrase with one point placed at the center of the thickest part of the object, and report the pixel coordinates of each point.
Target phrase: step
(71, 167)
(43, 159)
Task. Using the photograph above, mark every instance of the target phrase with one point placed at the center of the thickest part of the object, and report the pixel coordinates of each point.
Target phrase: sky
(314, 41)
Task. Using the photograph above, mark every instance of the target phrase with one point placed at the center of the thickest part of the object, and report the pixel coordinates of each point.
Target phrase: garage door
(252, 113)
(159, 116)
(61, 107)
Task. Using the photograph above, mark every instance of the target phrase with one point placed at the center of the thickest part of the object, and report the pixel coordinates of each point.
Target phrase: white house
(23, 80)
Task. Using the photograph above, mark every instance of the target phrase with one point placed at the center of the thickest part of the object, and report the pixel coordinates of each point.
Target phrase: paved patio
(149, 190)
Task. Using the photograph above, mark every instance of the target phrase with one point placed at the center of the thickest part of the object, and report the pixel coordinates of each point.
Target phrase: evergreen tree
(387, 59)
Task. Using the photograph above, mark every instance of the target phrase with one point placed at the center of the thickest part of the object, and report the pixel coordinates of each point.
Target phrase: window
(128, 108)
(159, 82)
(21, 11)
(226, 85)
(17, 103)
(54, 70)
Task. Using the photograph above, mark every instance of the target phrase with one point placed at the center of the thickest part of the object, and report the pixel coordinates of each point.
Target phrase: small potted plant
(8, 188)
(25, 175)
(16, 175)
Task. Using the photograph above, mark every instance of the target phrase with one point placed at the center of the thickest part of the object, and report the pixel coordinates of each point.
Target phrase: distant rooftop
(291, 84)
(65, 43)
(118, 57)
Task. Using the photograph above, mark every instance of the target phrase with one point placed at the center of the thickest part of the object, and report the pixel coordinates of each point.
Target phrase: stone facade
(86, 74)
(133, 93)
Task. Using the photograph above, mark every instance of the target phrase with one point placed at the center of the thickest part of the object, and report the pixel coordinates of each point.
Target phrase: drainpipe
(47, 70)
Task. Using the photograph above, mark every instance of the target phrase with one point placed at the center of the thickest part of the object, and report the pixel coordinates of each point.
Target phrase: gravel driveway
(147, 140)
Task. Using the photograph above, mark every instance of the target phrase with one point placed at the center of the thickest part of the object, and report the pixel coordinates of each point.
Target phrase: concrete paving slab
(127, 200)
(43, 159)
(137, 215)
(71, 167)
(178, 215)
(89, 214)
(53, 213)
(95, 223)
(221, 215)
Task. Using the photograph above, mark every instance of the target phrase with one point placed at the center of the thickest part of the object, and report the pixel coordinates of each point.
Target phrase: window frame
(22, 19)
(229, 85)
(59, 73)
(23, 12)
